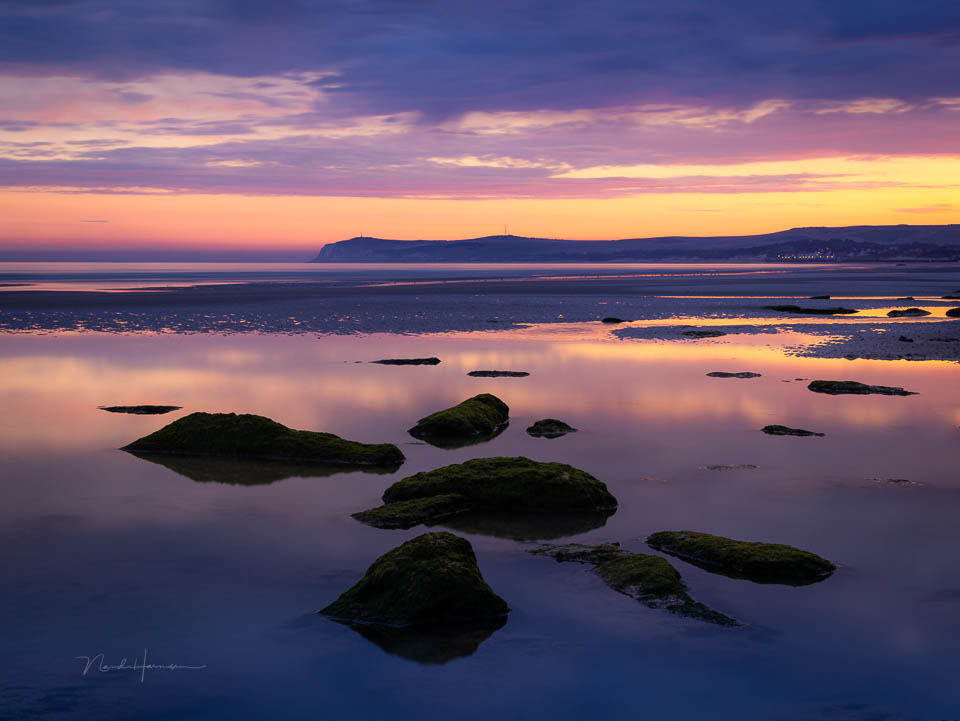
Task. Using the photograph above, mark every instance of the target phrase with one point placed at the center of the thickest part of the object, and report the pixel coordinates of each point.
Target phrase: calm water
(105, 552)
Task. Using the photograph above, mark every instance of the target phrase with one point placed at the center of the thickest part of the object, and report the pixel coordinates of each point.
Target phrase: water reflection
(518, 526)
(429, 646)
(248, 472)
(450, 443)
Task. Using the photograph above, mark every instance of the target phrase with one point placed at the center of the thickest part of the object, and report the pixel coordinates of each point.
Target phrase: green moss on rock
(550, 428)
(430, 580)
(251, 436)
(481, 415)
(760, 562)
(654, 581)
(407, 514)
(856, 388)
(509, 484)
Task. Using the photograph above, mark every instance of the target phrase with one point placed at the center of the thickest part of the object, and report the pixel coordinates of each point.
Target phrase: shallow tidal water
(104, 552)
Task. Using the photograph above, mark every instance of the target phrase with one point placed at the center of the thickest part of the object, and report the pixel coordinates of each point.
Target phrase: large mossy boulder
(250, 436)
(509, 484)
(431, 580)
(759, 562)
(835, 388)
(478, 417)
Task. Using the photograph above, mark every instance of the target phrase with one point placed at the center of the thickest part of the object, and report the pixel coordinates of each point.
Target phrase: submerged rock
(759, 562)
(787, 431)
(703, 333)
(407, 514)
(550, 428)
(408, 361)
(904, 339)
(481, 415)
(524, 525)
(724, 374)
(140, 410)
(612, 319)
(432, 580)
(251, 436)
(652, 580)
(855, 388)
(509, 484)
(907, 313)
(498, 374)
(810, 311)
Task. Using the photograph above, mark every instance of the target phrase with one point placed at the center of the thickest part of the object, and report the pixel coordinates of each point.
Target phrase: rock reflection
(432, 646)
(450, 444)
(244, 472)
(525, 526)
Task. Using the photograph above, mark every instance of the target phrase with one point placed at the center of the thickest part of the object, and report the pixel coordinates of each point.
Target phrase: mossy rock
(250, 436)
(810, 311)
(654, 581)
(407, 514)
(431, 580)
(481, 415)
(776, 430)
(509, 484)
(140, 410)
(759, 562)
(908, 313)
(856, 388)
(408, 361)
(550, 428)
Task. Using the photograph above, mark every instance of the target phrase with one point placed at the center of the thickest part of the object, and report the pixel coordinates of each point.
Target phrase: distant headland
(852, 243)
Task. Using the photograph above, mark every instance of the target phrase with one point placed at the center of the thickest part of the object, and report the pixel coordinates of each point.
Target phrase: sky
(244, 128)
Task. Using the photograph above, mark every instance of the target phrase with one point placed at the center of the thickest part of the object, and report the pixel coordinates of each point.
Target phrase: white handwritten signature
(96, 663)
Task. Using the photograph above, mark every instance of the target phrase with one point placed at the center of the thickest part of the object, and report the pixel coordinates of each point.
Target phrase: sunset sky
(246, 128)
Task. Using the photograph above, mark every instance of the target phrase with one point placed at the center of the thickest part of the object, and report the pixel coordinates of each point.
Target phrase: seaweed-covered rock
(250, 436)
(612, 319)
(759, 562)
(498, 374)
(908, 313)
(741, 374)
(141, 410)
(509, 484)
(431, 580)
(407, 514)
(855, 388)
(550, 428)
(810, 311)
(953, 313)
(654, 581)
(480, 415)
(776, 430)
(408, 361)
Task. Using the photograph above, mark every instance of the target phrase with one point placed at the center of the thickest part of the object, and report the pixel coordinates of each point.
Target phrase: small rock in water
(810, 311)
(730, 467)
(786, 431)
(819, 297)
(498, 374)
(612, 319)
(408, 361)
(904, 339)
(742, 374)
(908, 313)
(897, 481)
(855, 388)
(140, 410)
(703, 333)
(907, 297)
(953, 313)
(550, 428)
(479, 416)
